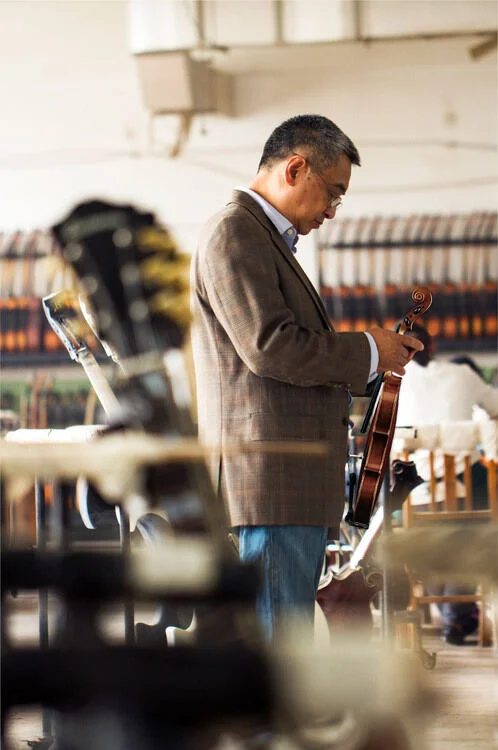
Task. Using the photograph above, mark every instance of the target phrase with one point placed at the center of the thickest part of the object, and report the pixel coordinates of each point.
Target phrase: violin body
(377, 452)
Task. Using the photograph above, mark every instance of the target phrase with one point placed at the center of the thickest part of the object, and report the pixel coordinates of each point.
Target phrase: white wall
(72, 124)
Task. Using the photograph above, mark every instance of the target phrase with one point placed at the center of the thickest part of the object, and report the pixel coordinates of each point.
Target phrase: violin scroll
(423, 298)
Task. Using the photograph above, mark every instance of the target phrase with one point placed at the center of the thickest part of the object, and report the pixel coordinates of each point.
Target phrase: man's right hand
(395, 350)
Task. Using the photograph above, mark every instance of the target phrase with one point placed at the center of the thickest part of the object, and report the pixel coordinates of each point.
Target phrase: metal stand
(41, 545)
(386, 599)
(128, 603)
(390, 618)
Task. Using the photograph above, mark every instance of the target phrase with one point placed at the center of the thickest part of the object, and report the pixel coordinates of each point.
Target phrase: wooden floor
(463, 714)
(466, 681)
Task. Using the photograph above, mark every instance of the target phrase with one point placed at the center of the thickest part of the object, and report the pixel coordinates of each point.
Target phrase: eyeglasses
(334, 201)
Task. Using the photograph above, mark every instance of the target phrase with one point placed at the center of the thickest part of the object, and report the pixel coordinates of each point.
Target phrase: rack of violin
(368, 267)
(29, 270)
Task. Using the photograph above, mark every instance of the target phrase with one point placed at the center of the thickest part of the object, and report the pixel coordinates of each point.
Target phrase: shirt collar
(283, 225)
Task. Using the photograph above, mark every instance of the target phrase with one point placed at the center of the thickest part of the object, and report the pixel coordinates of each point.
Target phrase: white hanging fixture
(163, 37)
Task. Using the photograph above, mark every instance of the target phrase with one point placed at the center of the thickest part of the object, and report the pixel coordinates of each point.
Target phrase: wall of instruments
(32, 393)
(368, 267)
(29, 271)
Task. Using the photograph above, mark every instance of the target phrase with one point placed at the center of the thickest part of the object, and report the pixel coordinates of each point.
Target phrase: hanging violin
(383, 423)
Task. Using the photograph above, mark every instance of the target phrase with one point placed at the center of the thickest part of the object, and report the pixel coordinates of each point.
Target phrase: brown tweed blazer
(269, 366)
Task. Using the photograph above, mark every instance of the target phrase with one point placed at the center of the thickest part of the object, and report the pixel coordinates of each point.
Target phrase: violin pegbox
(423, 299)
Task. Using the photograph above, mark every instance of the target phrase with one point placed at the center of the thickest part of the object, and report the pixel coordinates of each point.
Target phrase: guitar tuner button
(129, 274)
(90, 283)
(73, 252)
(105, 320)
(139, 310)
(122, 237)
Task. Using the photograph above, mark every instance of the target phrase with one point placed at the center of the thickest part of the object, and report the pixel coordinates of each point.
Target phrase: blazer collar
(245, 200)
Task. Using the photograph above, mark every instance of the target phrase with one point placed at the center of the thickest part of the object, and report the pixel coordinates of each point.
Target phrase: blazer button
(345, 421)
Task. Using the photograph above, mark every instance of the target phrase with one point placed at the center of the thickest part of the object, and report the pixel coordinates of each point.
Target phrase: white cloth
(441, 393)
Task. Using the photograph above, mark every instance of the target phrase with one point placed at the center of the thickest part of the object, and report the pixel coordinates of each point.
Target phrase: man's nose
(331, 212)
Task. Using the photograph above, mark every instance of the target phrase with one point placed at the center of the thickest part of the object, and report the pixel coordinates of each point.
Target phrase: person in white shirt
(435, 391)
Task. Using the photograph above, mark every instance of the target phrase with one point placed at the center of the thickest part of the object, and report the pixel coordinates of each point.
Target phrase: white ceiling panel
(240, 22)
(174, 24)
(384, 18)
(318, 20)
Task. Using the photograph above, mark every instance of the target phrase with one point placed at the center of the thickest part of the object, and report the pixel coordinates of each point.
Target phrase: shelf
(34, 359)
(484, 345)
(17, 362)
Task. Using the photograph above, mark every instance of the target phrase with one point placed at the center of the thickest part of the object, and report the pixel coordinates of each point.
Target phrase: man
(435, 391)
(270, 367)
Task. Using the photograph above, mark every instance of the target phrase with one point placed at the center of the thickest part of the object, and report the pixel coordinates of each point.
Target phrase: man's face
(314, 192)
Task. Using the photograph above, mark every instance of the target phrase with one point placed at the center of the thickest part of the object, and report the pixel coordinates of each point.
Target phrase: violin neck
(376, 387)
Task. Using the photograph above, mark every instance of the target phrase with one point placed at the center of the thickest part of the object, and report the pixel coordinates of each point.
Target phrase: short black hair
(318, 136)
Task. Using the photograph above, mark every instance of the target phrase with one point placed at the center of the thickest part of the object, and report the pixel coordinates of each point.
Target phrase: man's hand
(395, 350)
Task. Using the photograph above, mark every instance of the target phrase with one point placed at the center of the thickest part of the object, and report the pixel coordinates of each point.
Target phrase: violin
(378, 446)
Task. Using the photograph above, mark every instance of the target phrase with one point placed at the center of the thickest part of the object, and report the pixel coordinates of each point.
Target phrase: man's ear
(293, 167)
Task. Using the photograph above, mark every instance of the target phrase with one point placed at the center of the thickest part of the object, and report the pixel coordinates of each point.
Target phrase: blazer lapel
(244, 199)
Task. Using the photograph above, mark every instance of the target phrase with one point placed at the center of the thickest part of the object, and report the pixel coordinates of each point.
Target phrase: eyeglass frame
(333, 203)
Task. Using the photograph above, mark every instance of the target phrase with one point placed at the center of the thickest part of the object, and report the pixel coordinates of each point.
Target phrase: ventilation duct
(174, 83)
(163, 39)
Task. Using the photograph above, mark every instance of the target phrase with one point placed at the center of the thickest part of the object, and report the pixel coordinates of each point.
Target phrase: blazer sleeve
(240, 279)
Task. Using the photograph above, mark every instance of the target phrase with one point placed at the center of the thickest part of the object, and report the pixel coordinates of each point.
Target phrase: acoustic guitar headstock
(132, 273)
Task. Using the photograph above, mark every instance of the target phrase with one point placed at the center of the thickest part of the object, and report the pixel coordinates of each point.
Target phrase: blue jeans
(291, 561)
